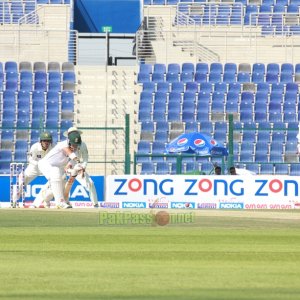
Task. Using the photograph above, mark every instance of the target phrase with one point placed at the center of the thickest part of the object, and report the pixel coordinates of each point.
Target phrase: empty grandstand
(197, 62)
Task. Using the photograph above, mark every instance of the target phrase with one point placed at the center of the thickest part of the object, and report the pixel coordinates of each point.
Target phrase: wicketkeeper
(37, 151)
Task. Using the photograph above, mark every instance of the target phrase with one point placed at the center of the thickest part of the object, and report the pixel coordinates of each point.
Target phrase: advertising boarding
(203, 192)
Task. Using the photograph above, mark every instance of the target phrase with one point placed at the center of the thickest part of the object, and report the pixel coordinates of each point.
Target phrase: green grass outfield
(223, 255)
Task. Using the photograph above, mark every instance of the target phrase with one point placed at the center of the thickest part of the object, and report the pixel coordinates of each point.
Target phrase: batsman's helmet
(74, 138)
(46, 136)
(71, 129)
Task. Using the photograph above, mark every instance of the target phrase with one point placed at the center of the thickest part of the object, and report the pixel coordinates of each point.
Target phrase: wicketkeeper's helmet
(46, 136)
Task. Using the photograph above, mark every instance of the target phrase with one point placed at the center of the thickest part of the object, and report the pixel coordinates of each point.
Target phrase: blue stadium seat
(173, 77)
(276, 97)
(5, 155)
(144, 147)
(20, 156)
(247, 148)
(186, 76)
(234, 86)
(275, 117)
(281, 169)
(267, 169)
(200, 77)
(158, 148)
(229, 77)
(291, 87)
(273, 68)
(191, 126)
(260, 116)
(143, 77)
(271, 78)
(220, 87)
(160, 97)
(278, 8)
(290, 117)
(253, 168)
(278, 137)
(277, 87)
(67, 106)
(214, 77)
(54, 86)
(159, 107)
(286, 78)
(192, 87)
(175, 97)
(29, 7)
(243, 77)
(159, 68)
(162, 126)
(64, 125)
(40, 86)
(231, 107)
(149, 87)
(158, 77)
(52, 96)
(188, 67)
(206, 127)
(230, 68)
(162, 87)
(216, 68)
(292, 8)
(173, 116)
(174, 68)
(258, 68)
(55, 76)
(287, 68)
(147, 168)
(11, 66)
(145, 69)
(258, 77)
(177, 87)
(203, 68)
(161, 136)
(188, 116)
(295, 170)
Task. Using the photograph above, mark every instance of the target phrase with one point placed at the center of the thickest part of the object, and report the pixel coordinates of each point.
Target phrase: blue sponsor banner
(134, 205)
(232, 205)
(78, 192)
(183, 205)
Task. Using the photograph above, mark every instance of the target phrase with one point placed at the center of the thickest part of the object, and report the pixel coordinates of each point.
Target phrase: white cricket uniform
(52, 167)
(36, 153)
(83, 178)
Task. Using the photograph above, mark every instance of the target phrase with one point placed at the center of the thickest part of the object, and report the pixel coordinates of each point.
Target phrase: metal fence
(109, 147)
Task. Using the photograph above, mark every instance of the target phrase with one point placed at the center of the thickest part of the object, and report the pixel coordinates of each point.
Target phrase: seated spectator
(232, 171)
(218, 170)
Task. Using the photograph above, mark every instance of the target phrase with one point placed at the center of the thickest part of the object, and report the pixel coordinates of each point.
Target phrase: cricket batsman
(80, 175)
(53, 166)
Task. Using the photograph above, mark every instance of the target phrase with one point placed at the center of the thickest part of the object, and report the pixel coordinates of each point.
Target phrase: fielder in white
(82, 177)
(37, 151)
(53, 164)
